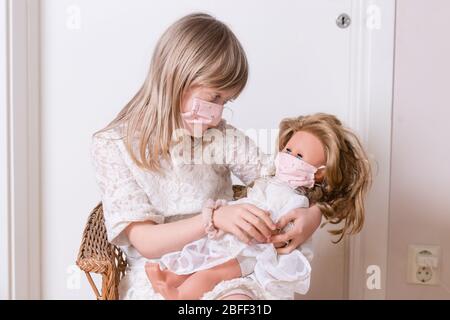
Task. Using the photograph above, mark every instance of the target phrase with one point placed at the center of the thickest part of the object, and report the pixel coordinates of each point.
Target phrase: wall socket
(423, 264)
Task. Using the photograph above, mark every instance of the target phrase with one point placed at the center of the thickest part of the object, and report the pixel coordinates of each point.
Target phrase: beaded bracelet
(207, 213)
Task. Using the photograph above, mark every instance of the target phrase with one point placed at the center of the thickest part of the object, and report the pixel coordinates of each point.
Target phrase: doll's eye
(288, 150)
(299, 156)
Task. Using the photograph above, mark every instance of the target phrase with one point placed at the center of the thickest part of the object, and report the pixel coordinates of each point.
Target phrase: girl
(151, 195)
(319, 161)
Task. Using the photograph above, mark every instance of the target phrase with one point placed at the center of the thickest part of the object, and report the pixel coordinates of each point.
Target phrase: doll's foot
(168, 292)
(154, 274)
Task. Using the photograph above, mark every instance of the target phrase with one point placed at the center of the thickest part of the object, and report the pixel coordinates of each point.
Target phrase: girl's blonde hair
(340, 196)
(197, 50)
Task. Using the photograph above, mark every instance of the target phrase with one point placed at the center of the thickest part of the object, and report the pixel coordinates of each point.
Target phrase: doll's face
(309, 148)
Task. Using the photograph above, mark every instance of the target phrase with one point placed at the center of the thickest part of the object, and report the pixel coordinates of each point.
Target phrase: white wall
(420, 202)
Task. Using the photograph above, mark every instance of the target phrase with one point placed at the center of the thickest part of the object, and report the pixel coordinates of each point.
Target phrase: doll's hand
(304, 222)
(245, 221)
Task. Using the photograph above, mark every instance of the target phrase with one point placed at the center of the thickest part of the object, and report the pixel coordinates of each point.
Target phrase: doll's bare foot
(168, 292)
(154, 273)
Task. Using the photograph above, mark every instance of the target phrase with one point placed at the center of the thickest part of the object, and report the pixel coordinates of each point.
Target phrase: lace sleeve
(124, 201)
(246, 160)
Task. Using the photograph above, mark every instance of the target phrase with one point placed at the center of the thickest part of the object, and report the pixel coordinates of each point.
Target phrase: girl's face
(207, 94)
(309, 148)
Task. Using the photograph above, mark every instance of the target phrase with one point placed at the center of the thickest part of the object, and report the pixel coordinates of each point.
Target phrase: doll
(319, 161)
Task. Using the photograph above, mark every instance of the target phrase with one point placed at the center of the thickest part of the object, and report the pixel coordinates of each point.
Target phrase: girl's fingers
(250, 230)
(289, 248)
(284, 220)
(263, 215)
(240, 235)
(258, 224)
(283, 237)
(279, 244)
(285, 250)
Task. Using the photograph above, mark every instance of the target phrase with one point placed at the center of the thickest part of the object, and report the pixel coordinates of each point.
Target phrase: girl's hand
(304, 220)
(245, 221)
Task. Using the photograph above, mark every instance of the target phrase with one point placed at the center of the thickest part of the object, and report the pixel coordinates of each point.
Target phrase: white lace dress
(130, 194)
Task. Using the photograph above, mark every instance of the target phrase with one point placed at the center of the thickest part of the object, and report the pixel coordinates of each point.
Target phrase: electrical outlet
(424, 274)
(423, 264)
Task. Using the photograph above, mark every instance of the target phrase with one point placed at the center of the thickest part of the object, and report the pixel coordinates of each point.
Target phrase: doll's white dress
(281, 275)
(130, 194)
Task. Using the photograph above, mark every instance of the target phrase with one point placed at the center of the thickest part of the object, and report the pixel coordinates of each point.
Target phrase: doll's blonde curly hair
(347, 177)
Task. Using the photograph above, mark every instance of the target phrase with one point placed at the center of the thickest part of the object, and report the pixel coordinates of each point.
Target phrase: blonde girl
(151, 200)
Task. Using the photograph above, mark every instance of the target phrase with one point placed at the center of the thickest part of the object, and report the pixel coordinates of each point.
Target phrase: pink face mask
(294, 171)
(204, 113)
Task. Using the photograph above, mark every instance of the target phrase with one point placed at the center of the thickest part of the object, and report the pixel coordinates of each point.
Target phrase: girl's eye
(299, 156)
(288, 150)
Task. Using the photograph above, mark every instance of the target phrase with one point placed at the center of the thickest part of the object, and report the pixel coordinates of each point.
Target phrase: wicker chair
(97, 255)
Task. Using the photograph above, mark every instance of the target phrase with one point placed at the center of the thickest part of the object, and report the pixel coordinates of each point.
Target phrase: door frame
(20, 158)
(371, 96)
(371, 85)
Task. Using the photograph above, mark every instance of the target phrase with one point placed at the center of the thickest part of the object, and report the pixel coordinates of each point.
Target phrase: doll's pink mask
(296, 172)
(203, 113)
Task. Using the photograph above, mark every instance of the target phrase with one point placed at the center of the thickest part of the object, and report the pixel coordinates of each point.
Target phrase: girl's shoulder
(107, 143)
(112, 139)
(114, 133)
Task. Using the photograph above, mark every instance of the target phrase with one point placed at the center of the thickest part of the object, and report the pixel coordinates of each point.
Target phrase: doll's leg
(200, 282)
(155, 274)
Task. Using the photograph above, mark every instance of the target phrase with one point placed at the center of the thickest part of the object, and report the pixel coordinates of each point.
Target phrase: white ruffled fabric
(130, 194)
(280, 275)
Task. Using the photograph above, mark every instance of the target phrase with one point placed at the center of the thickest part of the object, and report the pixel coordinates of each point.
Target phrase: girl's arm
(154, 240)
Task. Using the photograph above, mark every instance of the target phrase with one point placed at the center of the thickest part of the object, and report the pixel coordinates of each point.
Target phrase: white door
(95, 55)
